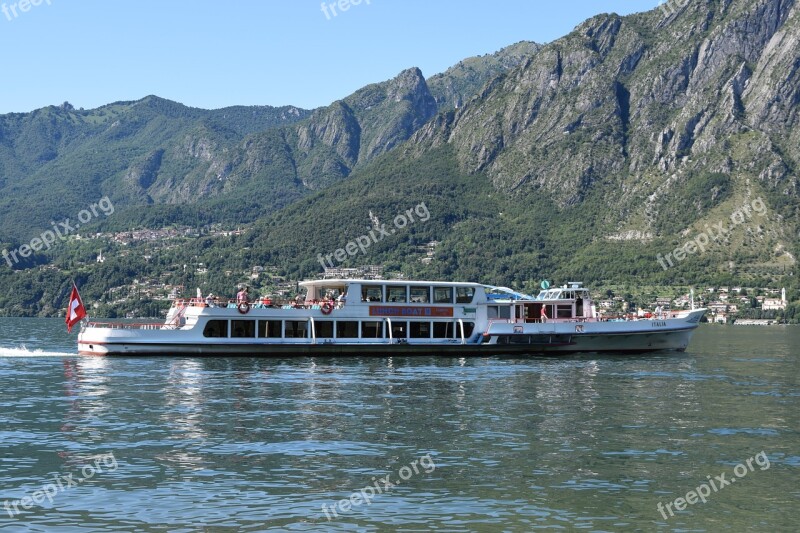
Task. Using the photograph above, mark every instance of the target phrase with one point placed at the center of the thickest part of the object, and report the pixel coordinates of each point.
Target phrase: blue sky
(254, 52)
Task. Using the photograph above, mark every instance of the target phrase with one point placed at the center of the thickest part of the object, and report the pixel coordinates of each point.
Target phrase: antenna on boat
(691, 291)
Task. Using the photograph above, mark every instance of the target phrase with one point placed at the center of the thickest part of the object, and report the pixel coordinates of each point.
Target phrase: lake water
(485, 444)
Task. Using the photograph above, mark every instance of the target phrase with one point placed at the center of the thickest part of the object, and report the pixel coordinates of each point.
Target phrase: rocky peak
(651, 92)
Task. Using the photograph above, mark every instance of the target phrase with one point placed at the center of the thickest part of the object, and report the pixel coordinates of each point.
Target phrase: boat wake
(24, 351)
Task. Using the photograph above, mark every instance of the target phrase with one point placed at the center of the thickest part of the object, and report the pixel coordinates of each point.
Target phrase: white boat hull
(621, 338)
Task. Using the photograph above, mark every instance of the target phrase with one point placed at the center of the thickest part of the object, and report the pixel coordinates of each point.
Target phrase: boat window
(399, 330)
(372, 293)
(346, 330)
(243, 329)
(372, 330)
(498, 311)
(420, 330)
(216, 328)
(323, 329)
(396, 294)
(564, 311)
(469, 327)
(296, 329)
(464, 295)
(420, 295)
(270, 329)
(443, 295)
(443, 330)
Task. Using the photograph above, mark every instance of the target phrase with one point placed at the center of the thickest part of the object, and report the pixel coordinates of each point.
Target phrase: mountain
(603, 151)
(595, 157)
(53, 159)
(459, 83)
(184, 163)
(640, 99)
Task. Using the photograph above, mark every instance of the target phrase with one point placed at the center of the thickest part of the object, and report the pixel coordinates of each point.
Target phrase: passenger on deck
(242, 296)
(210, 299)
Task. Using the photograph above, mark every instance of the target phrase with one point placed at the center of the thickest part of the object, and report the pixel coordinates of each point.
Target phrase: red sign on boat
(404, 310)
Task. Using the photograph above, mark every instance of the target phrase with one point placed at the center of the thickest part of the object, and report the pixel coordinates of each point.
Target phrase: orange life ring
(326, 308)
(243, 308)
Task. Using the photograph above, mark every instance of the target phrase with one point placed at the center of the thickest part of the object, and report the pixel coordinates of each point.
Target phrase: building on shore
(775, 304)
(720, 318)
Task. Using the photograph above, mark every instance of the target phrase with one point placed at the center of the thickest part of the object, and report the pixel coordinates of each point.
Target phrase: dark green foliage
(56, 161)
(699, 194)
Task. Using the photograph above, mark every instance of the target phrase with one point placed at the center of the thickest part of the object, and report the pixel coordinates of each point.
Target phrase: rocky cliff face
(457, 85)
(353, 131)
(634, 107)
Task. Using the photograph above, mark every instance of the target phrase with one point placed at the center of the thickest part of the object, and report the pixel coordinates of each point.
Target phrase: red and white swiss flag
(75, 310)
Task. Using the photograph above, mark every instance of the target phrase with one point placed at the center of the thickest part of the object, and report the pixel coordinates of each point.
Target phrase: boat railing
(263, 303)
(631, 317)
(195, 302)
(582, 320)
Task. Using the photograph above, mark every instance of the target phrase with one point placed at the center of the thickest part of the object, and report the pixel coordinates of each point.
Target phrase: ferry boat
(396, 317)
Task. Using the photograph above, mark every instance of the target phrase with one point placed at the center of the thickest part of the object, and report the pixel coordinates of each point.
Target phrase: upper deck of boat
(401, 291)
(428, 300)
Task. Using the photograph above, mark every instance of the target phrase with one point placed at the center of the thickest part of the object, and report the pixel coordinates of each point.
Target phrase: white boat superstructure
(387, 317)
